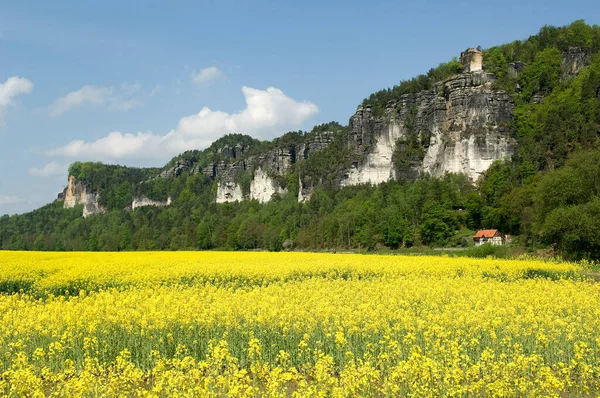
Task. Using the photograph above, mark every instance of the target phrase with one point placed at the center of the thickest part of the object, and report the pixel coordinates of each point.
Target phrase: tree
(541, 76)
(204, 235)
(438, 224)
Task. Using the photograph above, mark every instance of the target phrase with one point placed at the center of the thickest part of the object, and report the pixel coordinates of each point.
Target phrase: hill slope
(508, 118)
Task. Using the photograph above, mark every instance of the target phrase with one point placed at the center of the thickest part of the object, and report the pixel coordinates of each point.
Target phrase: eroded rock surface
(144, 201)
(574, 60)
(77, 193)
(460, 126)
(263, 187)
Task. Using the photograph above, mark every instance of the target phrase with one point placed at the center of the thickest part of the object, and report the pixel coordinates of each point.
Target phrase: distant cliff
(78, 193)
(461, 123)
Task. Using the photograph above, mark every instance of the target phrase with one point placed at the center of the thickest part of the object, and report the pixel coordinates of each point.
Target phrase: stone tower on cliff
(471, 60)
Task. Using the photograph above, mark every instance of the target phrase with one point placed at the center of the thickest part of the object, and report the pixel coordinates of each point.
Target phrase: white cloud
(8, 199)
(49, 170)
(11, 88)
(268, 113)
(115, 145)
(206, 75)
(122, 98)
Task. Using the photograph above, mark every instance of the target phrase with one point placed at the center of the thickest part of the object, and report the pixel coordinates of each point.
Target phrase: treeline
(428, 211)
(560, 207)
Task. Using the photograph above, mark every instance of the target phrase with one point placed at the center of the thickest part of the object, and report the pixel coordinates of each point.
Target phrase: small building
(491, 236)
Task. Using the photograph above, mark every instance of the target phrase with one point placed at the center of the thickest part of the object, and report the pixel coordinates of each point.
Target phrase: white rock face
(71, 196)
(461, 126)
(144, 201)
(263, 187)
(229, 192)
(453, 154)
(304, 193)
(77, 193)
(378, 166)
(465, 155)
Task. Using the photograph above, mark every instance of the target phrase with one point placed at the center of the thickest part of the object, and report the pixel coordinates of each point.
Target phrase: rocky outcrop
(461, 126)
(515, 68)
(263, 187)
(305, 191)
(228, 191)
(277, 161)
(473, 129)
(144, 201)
(471, 60)
(180, 166)
(228, 188)
(378, 165)
(318, 142)
(77, 193)
(234, 152)
(573, 61)
(263, 168)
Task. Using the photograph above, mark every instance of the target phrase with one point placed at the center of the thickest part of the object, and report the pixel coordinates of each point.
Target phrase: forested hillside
(546, 195)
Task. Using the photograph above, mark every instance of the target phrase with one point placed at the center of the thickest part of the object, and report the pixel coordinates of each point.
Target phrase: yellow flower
(295, 324)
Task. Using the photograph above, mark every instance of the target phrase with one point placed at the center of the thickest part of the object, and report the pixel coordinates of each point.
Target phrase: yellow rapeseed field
(295, 325)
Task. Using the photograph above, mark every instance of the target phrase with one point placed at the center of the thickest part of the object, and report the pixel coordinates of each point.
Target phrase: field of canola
(295, 324)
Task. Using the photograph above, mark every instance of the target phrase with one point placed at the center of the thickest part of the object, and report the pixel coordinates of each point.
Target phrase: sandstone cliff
(263, 170)
(77, 193)
(142, 201)
(461, 125)
(574, 60)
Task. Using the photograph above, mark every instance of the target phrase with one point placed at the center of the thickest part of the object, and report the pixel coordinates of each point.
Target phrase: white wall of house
(496, 241)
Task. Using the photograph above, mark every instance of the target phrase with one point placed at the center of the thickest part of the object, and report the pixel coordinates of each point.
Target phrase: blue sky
(137, 82)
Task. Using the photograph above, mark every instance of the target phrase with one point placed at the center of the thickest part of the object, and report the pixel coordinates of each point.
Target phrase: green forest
(546, 196)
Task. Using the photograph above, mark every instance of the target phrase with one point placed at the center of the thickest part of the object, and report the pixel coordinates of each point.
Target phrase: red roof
(486, 233)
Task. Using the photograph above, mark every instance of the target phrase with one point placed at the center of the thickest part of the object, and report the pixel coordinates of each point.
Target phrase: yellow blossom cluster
(295, 325)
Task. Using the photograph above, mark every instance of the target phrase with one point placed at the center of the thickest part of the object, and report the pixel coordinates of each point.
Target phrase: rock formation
(264, 167)
(228, 191)
(263, 187)
(515, 68)
(320, 141)
(179, 167)
(144, 201)
(228, 188)
(573, 61)
(471, 60)
(380, 135)
(460, 126)
(78, 193)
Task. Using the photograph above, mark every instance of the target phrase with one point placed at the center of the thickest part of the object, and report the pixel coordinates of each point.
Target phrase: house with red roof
(491, 236)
